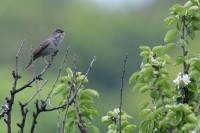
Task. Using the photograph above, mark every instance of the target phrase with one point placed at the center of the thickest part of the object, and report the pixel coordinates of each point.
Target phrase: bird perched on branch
(48, 46)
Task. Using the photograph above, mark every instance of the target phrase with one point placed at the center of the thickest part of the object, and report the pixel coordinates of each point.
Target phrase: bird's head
(58, 34)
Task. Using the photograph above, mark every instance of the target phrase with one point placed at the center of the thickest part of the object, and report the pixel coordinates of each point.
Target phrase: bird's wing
(37, 52)
(43, 45)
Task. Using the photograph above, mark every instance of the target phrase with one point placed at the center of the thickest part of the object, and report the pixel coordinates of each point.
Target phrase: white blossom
(178, 79)
(155, 72)
(116, 111)
(186, 79)
(182, 79)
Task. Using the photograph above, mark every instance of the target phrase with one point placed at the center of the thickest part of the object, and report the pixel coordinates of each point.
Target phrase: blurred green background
(106, 28)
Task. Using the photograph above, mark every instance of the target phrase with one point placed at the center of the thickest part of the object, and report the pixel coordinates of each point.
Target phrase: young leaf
(168, 47)
(95, 129)
(69, 72)
(59, 88)
(91, 92)
(133, 77)
(157, 49)
(169, 21)
(170, 35)
(138, 86)
(188, 127)
(130, 127)
(144, 89)
(144, 112)
(145, 48)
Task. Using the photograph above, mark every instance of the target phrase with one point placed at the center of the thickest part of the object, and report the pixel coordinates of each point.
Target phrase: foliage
(174, 108)
(112, 121)
(84, 100)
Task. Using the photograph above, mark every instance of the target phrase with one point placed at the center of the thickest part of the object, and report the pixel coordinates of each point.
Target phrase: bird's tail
(29, 63)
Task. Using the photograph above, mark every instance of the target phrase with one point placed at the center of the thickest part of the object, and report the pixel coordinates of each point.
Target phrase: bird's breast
(48, 50)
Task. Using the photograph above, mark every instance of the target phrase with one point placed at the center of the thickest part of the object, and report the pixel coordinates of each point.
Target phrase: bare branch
(26, 103)
(58, 122)
(24, 114)
(38, 76)
(86, 74)
(58, 75)
(121, 94)
(34, 74)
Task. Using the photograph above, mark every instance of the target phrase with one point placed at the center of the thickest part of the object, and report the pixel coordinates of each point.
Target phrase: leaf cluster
(174, 108)
(112, 121)
(67, 87)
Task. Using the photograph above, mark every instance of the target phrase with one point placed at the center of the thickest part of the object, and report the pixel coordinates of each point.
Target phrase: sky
(115, 4)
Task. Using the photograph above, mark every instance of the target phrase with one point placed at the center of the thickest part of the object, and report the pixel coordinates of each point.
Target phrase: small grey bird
(48, 46)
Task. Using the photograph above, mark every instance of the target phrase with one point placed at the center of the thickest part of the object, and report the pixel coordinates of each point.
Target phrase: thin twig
(67, 103)
(121, 94)
(80, 122)
(34, 74)
(185, 66)
(86, 74)
(24, 114)
(7, 108)
(36, 114)
(26, 103)
(58, 75)
(70, 101)
(38, 76)
(58, 122)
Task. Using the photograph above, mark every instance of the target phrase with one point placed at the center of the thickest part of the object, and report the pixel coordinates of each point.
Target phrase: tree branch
(121, 94)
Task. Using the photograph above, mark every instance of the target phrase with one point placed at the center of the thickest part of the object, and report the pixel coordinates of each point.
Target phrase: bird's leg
(47, 62)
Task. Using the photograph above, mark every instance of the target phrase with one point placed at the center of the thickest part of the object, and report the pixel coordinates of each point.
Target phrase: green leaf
(145, 48)
(178, 9)
(196, 24)
(168, 47)
(69, 72)
(65, 79)
(192, 119)
(143, 105)
(85, 102)
(145, 126)
(106, 120)
(188, 127)
(153, 93)
(138, 86)
(144, 53)
(169, 21)
(133, 77)
(124, 124)
(179, 60)
(188, 4)
(144, 89)
(144, 113)
(196, 64)
(157, 49)
(69, 127)
(59, 88)
(95, 129)
(170, 35)
(91, 92)
(82, 78)
(179, 25)
(130, 127)
(164, 71)
(194, 2)
(71, 114)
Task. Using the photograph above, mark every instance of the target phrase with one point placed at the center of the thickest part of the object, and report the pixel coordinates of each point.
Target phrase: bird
(48, 46)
